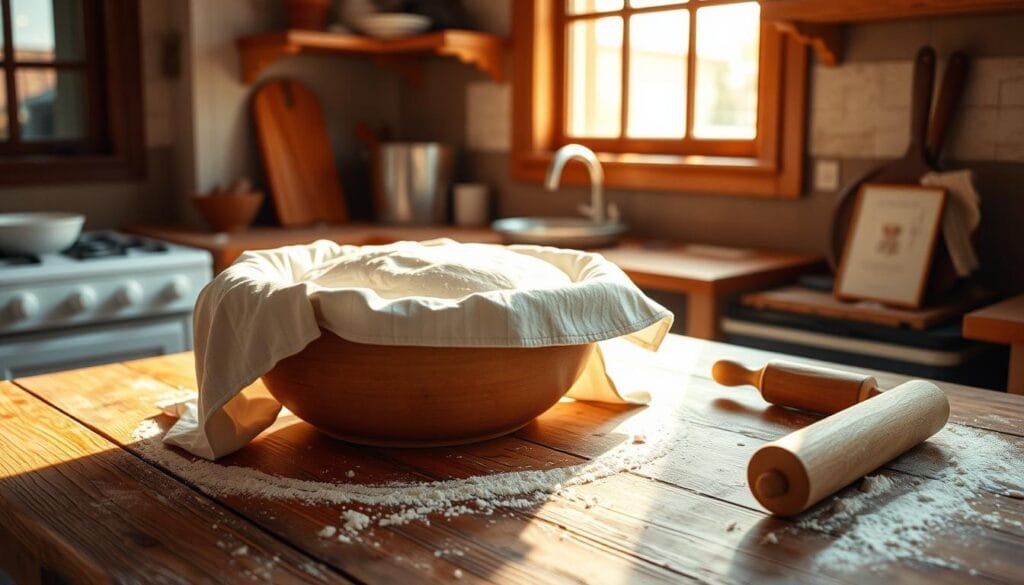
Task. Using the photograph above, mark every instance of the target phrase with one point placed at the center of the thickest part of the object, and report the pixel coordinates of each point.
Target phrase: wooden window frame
(774, 169)
(116, 150)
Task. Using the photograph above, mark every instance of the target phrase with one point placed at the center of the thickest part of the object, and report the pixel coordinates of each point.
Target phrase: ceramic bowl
(229, 212)
(404, 396)
(393, 25)
(39, 233)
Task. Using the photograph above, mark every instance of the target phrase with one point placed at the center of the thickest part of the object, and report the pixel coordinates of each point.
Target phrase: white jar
(471, 204)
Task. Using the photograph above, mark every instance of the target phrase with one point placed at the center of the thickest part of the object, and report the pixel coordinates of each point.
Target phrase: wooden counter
(706, 274)
(80, 499)
(1002, 322)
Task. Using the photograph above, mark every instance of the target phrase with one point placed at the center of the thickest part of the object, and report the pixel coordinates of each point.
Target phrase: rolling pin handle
(771, 484)
(731, 373)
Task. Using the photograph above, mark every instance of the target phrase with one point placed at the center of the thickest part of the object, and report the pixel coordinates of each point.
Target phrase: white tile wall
(862, 110)
(488, 116)
(858, 110)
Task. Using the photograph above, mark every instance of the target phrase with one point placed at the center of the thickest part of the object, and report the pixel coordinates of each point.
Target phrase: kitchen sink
(563, 232)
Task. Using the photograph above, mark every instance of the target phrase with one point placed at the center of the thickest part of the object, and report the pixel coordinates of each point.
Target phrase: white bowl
(393, 25)
(39, 233)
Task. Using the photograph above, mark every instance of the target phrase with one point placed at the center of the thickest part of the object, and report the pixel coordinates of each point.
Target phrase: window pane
(725, 96)
(594, 77)
(3, 109)
(47, 30)
(646, 3)
(51, 104)
(588, 6)
(657, 74)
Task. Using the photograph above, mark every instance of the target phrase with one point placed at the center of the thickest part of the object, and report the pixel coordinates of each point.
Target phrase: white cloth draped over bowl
(270, 304)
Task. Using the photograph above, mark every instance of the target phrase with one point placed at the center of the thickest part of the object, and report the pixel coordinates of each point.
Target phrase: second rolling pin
(811, 388)
(791, 474)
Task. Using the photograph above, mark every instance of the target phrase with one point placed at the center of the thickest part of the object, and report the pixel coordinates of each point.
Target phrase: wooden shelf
(482, 50)
(845, 11)
(818, 23)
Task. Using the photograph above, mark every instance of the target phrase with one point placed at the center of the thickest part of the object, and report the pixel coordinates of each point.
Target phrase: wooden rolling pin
(821, 390)
(791, 474)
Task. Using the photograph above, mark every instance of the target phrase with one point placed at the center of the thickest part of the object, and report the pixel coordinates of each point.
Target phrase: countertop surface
(686, 265)
(706, 274)
(83, 495)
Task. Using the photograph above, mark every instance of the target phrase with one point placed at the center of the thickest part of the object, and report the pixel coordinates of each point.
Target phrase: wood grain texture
(1002, 322)
(90, 512)
(481, 50)
(297, 156)
(841, 11)
(686, 268)
(805, 301)
(365, 393)
(810, 388)
(797, 471)
(665, 523)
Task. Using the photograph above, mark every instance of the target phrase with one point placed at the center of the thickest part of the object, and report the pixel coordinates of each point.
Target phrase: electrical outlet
(826, 176)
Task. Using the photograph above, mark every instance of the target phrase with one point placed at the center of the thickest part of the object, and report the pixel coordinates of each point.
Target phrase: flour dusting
(404, 502)
(896, 517)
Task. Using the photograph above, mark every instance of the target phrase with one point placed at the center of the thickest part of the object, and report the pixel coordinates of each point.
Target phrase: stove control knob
(129, 294)
(82, 299)
(23, 306)
(179, 288)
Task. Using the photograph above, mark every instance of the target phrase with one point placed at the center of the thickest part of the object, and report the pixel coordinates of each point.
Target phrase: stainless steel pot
(415, 177)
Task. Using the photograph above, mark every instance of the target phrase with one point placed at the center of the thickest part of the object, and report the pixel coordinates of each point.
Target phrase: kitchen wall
(224, 143)
(111, 204)
(859, 116)
(198, 133)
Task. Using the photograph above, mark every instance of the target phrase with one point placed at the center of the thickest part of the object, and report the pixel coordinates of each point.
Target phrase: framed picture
(890, 244)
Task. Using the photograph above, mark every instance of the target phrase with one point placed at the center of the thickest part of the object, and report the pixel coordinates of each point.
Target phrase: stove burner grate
(19, 259)
(103, 245)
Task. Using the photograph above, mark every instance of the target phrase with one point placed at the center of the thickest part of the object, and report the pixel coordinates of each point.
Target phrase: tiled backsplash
(488, 116)
(859, 110)
(862, 110)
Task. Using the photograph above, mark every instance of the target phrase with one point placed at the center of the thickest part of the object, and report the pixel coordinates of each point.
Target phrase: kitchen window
(696, 95)
(70, 93)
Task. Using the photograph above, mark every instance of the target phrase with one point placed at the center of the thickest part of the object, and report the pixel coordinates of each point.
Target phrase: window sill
(710, 174)
(29, 170)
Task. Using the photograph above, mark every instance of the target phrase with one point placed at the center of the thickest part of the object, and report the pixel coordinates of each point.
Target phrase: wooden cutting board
(804, 301)
(297, 155)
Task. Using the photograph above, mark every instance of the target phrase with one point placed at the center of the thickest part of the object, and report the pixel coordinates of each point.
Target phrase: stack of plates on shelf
(393, 25)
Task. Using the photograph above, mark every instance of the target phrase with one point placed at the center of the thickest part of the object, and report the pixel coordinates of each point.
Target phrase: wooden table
(707, 275)
(1002, 322)
(80, 498)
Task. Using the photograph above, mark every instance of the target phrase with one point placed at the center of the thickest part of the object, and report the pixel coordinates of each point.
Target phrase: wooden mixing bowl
(405, 396)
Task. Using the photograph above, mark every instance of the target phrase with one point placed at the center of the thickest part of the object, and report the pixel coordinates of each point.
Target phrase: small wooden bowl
(404, 396)
(229, 212)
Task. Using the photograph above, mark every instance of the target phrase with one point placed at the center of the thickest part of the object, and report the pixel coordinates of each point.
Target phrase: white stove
(110, 297)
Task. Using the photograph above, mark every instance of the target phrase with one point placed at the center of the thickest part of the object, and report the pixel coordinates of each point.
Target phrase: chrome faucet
(596, 210)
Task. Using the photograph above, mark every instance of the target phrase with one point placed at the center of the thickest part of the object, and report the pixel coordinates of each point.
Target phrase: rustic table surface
(81, 499)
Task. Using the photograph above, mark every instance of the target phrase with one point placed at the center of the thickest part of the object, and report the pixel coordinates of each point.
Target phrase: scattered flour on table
(327, 532)
(401, 503)
(896, 517)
